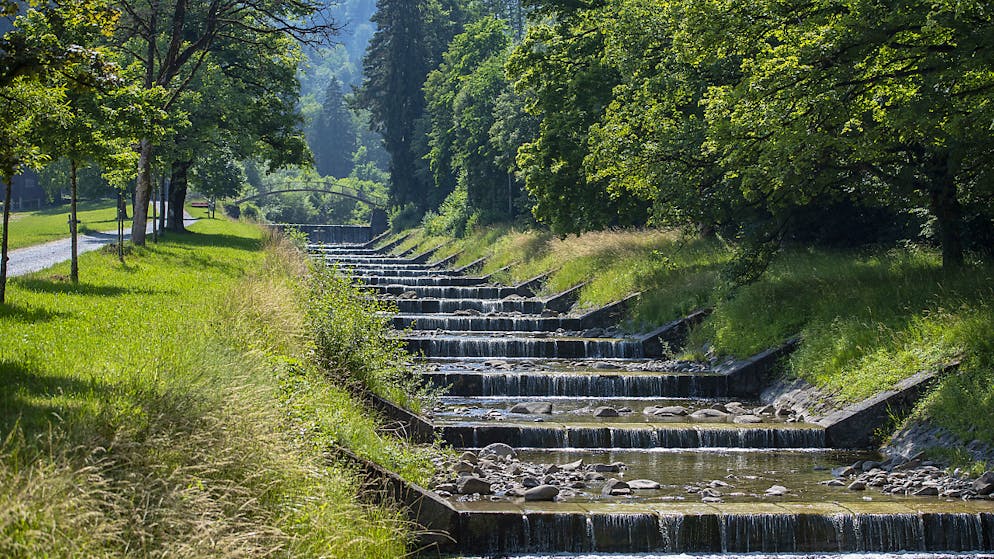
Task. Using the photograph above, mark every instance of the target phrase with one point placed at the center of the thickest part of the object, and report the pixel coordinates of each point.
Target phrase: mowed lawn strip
(50, 224)
(166, 407)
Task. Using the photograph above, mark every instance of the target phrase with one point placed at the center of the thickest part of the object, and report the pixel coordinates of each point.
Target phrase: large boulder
(542, 493)
(532, 408)
(984, 485)
(469, 485)
(500, 450)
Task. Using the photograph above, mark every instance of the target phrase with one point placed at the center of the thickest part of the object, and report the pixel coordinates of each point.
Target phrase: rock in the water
(776, 491)
(572, 466)
(605, 411)
(643, 484)
(927, 491)
(542, 493)
(530, 482)
(498, 449)
(857, 486)
(605, 366)
(611, 468)
(615, 487)
(665, 410)
(748, 418)
(469, 485)
(532, 408)
(832, 483)
(984, 485)
(708, 412)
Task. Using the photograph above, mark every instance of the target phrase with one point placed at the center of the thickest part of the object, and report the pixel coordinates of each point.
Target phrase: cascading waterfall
(462, 346)
(428, 295)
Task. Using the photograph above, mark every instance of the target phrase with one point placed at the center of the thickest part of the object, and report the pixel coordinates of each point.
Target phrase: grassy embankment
(174, 406)
(867, 319)
(49, 224)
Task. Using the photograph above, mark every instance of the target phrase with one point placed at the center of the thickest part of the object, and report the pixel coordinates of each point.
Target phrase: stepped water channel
(717, 472)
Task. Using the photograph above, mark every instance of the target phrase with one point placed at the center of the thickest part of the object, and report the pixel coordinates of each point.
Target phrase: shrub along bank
(867, 318)
(142, 417)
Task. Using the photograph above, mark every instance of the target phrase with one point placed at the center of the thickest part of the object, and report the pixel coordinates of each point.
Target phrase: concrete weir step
(501, 528)
(627, 435)
(451, 292)
(439, 321)
(584, 414)
(429, 280)
(603, 383)
(479, 345)
(431, 305)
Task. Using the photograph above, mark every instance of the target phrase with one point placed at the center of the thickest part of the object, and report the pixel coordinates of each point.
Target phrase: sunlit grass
(50, 224)
(867, 320)
(157, 409)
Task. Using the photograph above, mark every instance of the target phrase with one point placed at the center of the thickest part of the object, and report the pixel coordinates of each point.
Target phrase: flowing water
(494, 347)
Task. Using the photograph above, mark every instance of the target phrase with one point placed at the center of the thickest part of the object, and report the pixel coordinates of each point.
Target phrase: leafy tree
(410, 38)
(560, 72)
(170, 44)
(44, 41)
(651, 139)
(241, 105)
(462, 95)
(888, 101)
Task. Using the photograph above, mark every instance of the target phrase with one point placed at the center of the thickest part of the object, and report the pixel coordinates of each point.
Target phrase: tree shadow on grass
(29, 315)
(57, 285)
(193, 239)
(28, 398)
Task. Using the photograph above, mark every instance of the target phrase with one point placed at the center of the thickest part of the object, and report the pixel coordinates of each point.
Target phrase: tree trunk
(948, 213)
(73, 223)
(177, 195)
(143, 191)
(8, 186)
(162, 203)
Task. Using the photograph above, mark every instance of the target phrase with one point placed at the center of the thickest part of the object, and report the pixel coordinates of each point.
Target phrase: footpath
(35, 258)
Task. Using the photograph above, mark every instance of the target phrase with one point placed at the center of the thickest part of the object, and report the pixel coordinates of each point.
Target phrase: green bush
(453, 217)
(353, 343)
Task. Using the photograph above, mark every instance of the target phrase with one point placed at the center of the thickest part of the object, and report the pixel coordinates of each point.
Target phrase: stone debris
(916, 477)
(495, 471)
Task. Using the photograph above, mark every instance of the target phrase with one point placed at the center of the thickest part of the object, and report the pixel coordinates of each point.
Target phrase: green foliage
(453, 215)
(174, 436)
(566, 83)
(407, 45)
(351, 332)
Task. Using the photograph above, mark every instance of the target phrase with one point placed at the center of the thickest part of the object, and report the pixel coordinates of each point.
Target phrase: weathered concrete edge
(466, 268)
(372, 242)
(608, 315)
(445, 261)
(424, 256)
(434, 516)
(748, 377)
(385, 249)
(491, 275)
(527, 288)
(672, 334)
(561, 302)
(854, 425)
(413, 426)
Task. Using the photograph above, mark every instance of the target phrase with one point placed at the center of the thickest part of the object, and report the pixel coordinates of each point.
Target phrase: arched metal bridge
(325, 188)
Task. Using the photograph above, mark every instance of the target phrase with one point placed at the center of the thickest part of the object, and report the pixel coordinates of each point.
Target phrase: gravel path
(34, 258)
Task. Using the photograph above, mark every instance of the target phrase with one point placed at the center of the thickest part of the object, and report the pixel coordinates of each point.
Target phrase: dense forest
(838, 122)
(829, 122)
